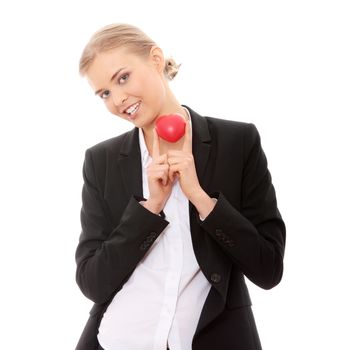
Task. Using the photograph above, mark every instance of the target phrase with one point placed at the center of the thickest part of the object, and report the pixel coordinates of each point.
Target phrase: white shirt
(162, 300)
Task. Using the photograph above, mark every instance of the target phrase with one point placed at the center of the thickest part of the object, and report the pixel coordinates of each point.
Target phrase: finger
(172, 161)
(175, 168)
(174, 171)
(163, 159)
(187, 145)
(179, 158)
(160, 176)
(175, 153)
(171, 175)
(155, 147)
(166, 178)
(156, 168)
(175, 156)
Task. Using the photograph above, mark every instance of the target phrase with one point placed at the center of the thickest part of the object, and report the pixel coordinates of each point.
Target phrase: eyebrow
(113, 76)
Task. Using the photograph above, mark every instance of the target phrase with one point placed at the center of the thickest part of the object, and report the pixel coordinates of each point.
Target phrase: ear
(157, 58)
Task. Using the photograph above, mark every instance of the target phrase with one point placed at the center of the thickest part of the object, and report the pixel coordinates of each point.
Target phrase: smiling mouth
(130, 111)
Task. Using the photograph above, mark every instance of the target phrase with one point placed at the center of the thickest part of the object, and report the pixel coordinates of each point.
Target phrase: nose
(118, 98)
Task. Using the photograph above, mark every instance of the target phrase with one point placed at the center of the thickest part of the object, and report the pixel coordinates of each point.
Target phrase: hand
(159, 184)
(182, 166)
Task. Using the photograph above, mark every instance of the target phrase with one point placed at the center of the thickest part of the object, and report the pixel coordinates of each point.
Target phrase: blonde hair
(119, 35)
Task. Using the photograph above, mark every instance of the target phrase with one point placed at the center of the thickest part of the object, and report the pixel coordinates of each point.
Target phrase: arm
(254, 237)
(106, 256)
(203, 203)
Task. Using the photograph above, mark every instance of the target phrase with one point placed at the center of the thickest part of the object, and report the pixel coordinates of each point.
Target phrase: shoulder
(103, 155)
(112, 145)
(222, 123)
(233, 129)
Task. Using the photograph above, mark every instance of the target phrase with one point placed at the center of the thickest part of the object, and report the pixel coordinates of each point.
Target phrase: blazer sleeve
(106, 256)
(254, 236)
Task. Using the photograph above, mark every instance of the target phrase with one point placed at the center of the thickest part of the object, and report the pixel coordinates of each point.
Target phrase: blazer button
(149, 239)
(144, 246)
(219, 233)
(215, 277)
(231, 243)
(226, 240)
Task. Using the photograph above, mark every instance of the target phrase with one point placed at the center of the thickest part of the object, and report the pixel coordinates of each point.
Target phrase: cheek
(154, 88)
(110, 106)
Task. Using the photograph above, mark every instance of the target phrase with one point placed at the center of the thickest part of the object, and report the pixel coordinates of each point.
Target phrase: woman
(170, 229)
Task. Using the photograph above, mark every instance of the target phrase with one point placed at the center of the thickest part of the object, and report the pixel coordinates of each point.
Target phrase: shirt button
(215, 277)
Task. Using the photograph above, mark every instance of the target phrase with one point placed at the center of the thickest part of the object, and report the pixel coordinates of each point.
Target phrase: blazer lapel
(200, 145)
(130, 164)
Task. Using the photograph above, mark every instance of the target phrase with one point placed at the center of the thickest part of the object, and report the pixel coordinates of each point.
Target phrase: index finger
(155, 147)
(187, 145)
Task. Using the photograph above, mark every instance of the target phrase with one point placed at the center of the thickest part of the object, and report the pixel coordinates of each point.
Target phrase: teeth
(133, 108)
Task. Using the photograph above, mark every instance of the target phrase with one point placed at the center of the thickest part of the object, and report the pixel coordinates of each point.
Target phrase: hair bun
(171, 68)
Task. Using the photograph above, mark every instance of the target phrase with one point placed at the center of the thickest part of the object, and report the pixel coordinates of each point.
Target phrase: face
(132, 87)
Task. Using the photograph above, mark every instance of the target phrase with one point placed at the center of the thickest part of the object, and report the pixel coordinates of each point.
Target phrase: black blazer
(243, 235)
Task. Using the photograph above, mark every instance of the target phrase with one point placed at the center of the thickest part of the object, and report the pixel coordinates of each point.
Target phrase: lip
(130, 106)
(132, 117)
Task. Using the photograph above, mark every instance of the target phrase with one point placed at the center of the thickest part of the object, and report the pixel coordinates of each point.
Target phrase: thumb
(174, 176)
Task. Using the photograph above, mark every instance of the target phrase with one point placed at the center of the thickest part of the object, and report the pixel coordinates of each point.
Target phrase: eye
(105, 94)
(124, 78)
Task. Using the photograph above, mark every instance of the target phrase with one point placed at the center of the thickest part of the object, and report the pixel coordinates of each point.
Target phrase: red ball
(170, 127)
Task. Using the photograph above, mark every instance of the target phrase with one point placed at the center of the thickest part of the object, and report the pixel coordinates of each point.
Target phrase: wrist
(152, 206)
(203, 203)
(197, 196)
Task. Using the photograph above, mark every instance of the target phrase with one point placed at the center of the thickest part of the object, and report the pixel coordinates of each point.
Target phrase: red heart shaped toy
(170, 127)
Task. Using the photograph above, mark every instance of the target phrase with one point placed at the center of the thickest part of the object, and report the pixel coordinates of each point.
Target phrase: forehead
(105, 64)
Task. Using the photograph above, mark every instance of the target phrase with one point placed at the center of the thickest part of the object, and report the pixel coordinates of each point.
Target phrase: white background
(282, 65)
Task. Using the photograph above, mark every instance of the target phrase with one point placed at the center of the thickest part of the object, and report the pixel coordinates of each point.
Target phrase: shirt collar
(143, 148)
